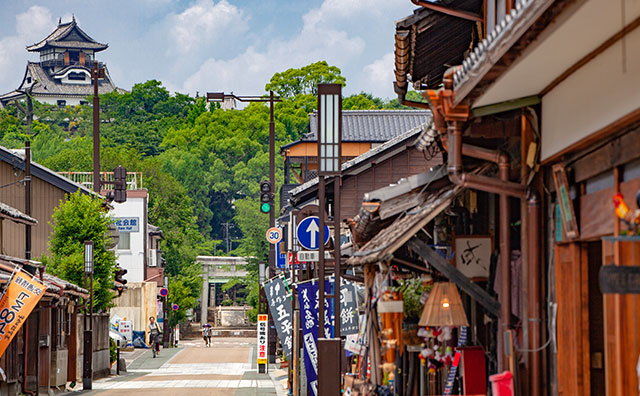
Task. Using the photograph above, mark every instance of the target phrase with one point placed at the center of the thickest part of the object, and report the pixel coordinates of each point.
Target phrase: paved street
(226, 368)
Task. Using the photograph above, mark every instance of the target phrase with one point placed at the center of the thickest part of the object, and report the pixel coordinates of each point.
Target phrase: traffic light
(120, 184)
(120, 272)
(266, 196)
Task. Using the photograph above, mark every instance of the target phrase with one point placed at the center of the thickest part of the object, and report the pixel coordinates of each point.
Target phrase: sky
(215, 45)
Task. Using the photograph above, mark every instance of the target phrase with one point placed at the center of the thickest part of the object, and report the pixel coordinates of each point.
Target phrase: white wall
(132, 259)
(71, 101)
(601, 92)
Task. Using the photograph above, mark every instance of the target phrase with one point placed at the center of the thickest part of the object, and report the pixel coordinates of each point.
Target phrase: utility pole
(96, 74)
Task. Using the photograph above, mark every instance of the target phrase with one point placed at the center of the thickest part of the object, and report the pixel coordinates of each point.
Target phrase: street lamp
(329, 153)
(87, 372)
(271, 99)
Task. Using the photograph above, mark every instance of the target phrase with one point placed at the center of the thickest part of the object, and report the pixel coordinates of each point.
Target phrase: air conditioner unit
(153, 258)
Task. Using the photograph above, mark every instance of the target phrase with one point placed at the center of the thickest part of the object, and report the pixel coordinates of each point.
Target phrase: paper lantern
(444, 307)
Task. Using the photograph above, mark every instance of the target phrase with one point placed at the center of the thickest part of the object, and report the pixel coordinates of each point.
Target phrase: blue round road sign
(308, 233)
(164, 292)
(175, 307)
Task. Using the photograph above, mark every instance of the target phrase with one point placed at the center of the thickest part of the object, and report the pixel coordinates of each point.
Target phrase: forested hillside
(201, 164)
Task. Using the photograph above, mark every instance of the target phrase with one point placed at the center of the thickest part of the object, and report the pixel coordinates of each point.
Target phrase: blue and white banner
(279, 301)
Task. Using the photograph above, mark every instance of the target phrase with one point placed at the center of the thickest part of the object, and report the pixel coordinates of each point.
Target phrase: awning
(390, 239)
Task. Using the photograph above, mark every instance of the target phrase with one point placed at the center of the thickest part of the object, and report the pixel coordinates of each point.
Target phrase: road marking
(233, 384)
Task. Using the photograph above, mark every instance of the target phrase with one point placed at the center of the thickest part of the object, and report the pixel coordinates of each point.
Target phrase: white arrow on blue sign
(308, 233)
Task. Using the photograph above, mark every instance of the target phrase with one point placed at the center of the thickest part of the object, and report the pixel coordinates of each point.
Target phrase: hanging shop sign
(348, 308)
(620, 279)
(263, 338)
(308, 299)
(21, 296)
(281, 312)
(473, 255)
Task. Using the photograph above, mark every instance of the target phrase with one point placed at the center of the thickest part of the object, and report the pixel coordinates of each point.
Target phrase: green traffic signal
(265, 207)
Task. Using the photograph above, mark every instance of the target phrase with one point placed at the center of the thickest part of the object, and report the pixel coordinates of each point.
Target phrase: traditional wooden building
(561, 98)
(62, 76)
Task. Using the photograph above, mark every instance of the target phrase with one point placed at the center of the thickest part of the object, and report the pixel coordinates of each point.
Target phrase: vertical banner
(263, 335)
(281, 312)
(308, 298)
(348, 308)
(462, 340)
(21, 296)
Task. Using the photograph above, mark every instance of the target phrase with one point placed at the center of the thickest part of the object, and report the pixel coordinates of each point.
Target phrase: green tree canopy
(304, 80)
(83, 218)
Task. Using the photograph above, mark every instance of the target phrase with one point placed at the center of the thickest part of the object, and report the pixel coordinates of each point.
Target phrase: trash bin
(502, 384)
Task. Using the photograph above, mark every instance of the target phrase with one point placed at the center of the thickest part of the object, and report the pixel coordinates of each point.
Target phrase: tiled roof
(374, 151)
(372, 125)
(68, 35)
(14, 214)
(497, 43)
(48, 86)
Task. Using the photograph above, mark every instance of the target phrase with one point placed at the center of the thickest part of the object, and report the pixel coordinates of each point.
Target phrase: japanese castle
(63, 75)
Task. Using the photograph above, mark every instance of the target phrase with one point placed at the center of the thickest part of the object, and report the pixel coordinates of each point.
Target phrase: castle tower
(63, 75)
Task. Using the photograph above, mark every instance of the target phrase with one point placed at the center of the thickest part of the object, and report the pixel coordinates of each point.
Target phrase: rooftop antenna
(60, 21)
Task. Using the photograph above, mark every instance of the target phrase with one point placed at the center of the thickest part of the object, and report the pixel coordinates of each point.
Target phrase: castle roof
(68, 35)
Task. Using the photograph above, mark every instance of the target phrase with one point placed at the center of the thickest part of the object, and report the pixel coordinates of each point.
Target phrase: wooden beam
(453, 274)
(505, 106)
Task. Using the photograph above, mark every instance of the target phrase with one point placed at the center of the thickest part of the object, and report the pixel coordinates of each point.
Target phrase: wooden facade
(381, 174)
(45, 197)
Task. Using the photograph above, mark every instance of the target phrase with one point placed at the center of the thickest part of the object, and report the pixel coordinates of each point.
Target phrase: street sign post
(274, 235)
(308, 233)
(263, 336)
(164, 292)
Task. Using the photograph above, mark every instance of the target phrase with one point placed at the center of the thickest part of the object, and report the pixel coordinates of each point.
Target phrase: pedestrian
(154, 336)
(206, 334)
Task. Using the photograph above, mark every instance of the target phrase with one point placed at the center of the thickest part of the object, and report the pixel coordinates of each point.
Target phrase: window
(28, 80)
(77, 76)
(83, 103)
(124, 243)
(62, 103)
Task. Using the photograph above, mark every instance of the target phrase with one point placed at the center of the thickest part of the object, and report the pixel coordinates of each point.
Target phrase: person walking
(154, 336)
(206, 334)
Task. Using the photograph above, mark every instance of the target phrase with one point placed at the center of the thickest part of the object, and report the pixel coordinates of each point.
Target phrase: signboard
(348, 308)
(125, 327)
(127, 224)
(263, 335)
(274, 235)
(21, 296)
(281, 312)
(164, 292)
(312, 256)
(281, 258)
(473, 255)
(620, 279)
(175, 307)
(569, 222)
(308, 233)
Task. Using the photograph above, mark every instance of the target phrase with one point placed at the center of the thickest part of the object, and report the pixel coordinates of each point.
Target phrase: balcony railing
(85, 179)
(61, 63)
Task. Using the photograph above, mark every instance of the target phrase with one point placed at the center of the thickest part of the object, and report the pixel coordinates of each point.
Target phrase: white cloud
(204, 23)
(379, 74)
(31, 26)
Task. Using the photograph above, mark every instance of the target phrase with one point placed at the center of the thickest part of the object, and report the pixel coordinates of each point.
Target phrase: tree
(305, 80)
(83, 218)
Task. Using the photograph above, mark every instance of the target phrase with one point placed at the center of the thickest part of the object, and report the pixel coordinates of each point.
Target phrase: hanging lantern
(444, 307)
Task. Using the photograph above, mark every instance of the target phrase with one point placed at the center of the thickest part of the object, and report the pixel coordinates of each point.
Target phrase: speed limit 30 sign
(274, 235)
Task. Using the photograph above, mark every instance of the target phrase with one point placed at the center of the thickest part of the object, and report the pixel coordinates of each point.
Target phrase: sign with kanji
(125, 327)
(21, 296)
(127, 224)
(263, 338)
(281, 312)
(348, 308)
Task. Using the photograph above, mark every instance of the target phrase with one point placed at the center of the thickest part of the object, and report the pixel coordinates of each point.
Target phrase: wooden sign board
(569, 222)
(620, 279)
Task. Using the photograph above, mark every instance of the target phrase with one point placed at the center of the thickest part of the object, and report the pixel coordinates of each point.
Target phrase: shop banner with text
(19, 299)
(279, 300)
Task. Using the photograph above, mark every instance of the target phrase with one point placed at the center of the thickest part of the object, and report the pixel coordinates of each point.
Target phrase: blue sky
(215, 45)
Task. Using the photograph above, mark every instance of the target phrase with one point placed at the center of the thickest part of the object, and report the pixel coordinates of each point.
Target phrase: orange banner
(21, 296)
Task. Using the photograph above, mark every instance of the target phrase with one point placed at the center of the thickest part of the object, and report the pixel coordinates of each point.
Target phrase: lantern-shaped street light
(87, 371)
(329, 164)
(88, 257)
